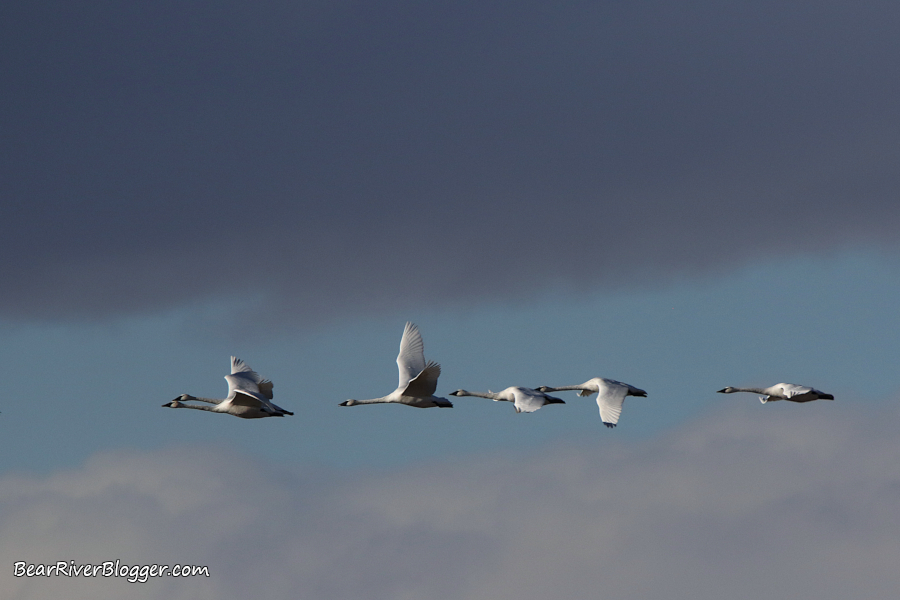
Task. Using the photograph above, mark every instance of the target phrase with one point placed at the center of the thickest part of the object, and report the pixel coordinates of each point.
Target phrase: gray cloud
(328, 158)
(742, 505)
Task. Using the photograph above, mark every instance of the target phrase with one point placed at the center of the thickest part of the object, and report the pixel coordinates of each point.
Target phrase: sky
(681, 196)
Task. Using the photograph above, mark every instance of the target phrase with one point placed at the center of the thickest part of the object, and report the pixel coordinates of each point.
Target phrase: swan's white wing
(527, 401)
(424, 384)
(239, 366)
(265, 388)
(244, 392)
(610, 402)
(240, 383)
(244, 399)
(411, 360)
(241, 372)
(802, 393)
(790, 389)
(243, 378)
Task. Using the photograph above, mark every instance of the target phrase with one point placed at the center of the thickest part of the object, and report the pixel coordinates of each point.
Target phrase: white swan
(611, 396)
(526, 399)
(248, 396)
(783, 391)
(418, 379)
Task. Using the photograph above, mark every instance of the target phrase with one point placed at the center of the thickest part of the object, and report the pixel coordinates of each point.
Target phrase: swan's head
(176, 403)
(459, 393)
(728, 390)
(348, 403)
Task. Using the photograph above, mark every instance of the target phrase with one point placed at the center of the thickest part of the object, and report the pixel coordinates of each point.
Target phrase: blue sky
(680, 342)
(678, 196)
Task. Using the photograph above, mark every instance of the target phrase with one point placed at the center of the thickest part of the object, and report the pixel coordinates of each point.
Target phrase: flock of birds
(250, 396)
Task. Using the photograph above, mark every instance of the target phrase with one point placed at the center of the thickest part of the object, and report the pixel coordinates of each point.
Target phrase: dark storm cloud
(333, 157)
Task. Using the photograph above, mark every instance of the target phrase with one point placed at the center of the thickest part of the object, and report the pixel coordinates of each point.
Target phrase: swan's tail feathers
(763, 399)
(610, 425)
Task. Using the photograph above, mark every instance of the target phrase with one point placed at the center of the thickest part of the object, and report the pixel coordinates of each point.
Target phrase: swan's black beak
(722, 391)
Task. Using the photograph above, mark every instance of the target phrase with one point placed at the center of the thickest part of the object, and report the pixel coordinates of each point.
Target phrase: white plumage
(610, 398)
(525, 399)
(418, 379)
(783, 391)
(249, 395)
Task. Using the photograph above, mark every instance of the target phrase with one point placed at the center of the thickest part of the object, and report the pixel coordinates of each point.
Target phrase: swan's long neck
(207, 400)
(489, 395)
(194, 406)
(563, 388)
(381, 400)
(748, 389)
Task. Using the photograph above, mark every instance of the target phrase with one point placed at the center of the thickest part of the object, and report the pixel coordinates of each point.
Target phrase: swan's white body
(249, 396)
(611, 396)
(418, 379)
(783, 391)
(526, 400)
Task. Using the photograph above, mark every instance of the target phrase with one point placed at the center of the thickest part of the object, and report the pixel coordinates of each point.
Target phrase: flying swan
(418, 379)
(783, 391)
(526, 400)
(248, 396)
(611, 396)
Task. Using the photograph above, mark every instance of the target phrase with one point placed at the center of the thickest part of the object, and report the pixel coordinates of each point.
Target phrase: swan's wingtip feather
(238, 365)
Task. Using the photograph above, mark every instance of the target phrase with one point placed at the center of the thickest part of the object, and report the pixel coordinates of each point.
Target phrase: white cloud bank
(775, 502)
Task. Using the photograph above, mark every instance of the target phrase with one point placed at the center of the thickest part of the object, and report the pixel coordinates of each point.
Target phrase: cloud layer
(743, 505)
(325, 158)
